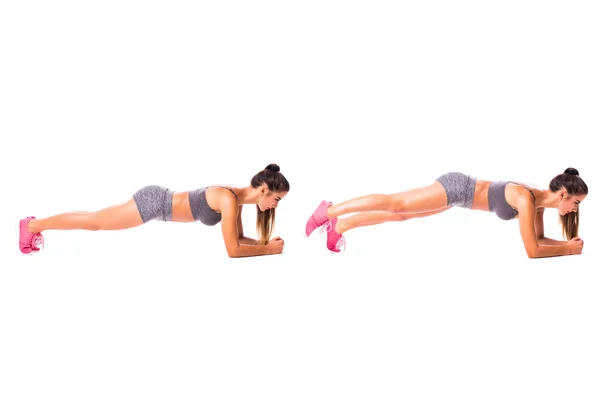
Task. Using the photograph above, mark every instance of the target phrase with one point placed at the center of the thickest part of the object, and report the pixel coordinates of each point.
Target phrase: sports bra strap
(530, 191)
(225, 187)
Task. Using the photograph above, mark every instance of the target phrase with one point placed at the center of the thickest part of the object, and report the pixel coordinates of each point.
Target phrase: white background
(349, 98)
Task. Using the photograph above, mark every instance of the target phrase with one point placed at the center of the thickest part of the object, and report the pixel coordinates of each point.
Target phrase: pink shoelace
(36, 241)
(325, 228)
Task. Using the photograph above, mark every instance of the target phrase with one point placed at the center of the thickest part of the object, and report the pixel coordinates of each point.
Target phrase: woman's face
(270, 200)
(569, 203)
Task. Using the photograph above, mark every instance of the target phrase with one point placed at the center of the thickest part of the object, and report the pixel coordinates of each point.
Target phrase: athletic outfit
(156, 203)
(460, 190)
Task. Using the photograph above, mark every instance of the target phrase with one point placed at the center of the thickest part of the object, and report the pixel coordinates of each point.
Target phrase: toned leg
(121, 216)
(378, 217)
(428, 198)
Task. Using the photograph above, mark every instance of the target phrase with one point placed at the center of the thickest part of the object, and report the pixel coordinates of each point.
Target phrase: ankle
(340, 227)
(329, 213)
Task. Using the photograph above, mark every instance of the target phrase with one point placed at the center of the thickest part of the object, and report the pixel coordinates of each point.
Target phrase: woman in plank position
(507, 199)
(209, 205)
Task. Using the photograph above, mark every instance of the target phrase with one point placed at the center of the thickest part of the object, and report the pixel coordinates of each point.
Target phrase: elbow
(533, 253)
(234, 252)
(232, 247)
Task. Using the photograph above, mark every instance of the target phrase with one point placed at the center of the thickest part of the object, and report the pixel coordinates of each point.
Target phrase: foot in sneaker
(335, 240)
(29, 242)
(318, 218)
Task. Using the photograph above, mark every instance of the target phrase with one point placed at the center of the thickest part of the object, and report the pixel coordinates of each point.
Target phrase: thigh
(120, 216)
(411, 215)
(427, 198)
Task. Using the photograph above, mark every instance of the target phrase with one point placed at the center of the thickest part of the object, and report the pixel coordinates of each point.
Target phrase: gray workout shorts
(154, 203)
(460, 188)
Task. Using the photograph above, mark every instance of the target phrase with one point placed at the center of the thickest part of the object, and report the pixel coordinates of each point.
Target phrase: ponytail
(265, 222)
(570, 225)
(276, 182)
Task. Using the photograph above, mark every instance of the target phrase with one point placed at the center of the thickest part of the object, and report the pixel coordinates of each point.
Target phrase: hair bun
(273, 167)
(571, 171)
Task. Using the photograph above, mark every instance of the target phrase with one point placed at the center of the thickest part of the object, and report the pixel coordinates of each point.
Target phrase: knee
(94, 223)
(397, 217)
(395, 204)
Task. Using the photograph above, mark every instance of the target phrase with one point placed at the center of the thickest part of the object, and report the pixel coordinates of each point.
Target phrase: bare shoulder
(526, 188)
(524, 201)
(221, 199)
(518, 197)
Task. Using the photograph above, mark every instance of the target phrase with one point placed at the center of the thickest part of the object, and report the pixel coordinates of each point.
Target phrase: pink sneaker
(318, 218)
(334, 240)
(29, 243)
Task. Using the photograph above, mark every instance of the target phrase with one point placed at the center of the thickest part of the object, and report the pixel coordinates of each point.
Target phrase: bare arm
(229, 227)
(550, 242)
(528, 222)
(243, 239)
(539, 231)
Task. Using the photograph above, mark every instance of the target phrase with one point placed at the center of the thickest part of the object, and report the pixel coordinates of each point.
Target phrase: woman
(508, 200)
(209, 205)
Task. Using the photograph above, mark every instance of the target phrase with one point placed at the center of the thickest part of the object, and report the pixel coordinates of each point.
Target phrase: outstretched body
(209, 205)
(508, 200)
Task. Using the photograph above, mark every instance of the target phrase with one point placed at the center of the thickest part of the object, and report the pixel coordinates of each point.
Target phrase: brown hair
(574, 185)
(276, 182)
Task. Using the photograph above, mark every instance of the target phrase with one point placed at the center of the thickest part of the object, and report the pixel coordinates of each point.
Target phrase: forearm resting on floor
(248, 250)
(552, 251)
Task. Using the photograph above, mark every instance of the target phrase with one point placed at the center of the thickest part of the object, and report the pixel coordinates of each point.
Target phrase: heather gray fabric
(201, 211)
(154, 203)
(497, 200)
(460, 188)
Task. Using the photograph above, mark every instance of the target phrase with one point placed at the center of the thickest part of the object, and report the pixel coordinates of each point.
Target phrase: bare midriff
(181, 207)
(480, 202)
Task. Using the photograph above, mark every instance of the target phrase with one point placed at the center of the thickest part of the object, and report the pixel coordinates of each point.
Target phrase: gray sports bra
(497, 200)
(201, 211)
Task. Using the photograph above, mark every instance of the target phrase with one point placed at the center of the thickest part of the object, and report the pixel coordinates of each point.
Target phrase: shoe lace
(326, 227)
(341, 242)
(36, 241)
